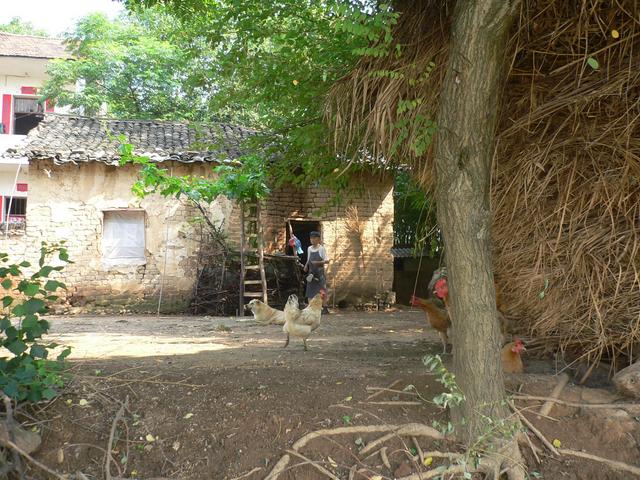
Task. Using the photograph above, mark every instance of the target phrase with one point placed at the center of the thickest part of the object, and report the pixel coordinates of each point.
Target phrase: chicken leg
(304, 341)
(445, 339)
(286, 344)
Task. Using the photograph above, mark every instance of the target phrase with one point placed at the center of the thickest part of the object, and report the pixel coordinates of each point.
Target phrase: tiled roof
(12, 45)
(407, 252)
(69, 138)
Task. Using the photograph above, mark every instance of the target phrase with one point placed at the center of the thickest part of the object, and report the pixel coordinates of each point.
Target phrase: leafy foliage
(138, 66)
(22, 27)
(274, 64)
(244, 180)
(29, 374)
(453, 396)
(415, 220)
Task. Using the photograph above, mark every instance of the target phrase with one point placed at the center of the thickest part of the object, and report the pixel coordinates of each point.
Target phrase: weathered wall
(362, 264)
(68, 202)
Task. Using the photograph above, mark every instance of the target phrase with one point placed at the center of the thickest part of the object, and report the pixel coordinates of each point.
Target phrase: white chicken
(300, 323)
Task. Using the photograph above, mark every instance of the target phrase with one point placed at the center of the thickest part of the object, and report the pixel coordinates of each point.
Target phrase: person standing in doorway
(317, 258)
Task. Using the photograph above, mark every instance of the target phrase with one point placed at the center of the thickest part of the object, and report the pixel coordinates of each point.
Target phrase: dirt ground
(214, 398)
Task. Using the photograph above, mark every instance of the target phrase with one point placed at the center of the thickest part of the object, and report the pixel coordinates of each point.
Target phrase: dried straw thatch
(566, 174)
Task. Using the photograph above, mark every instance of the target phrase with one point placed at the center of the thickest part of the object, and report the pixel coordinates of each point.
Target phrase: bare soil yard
(213, 398)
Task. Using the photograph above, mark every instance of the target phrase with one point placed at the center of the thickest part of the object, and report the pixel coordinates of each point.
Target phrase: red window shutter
(22, 187)
(6, 113)
(48, 106)
(28, 90)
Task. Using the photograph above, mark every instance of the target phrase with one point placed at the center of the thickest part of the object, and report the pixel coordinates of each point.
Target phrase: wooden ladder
(251, 254)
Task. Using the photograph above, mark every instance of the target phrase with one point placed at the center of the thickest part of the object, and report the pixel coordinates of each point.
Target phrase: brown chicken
(511, 358)
(437, 318)
(441, 290)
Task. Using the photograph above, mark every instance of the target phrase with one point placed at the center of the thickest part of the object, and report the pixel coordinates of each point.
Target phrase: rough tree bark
(467, 121)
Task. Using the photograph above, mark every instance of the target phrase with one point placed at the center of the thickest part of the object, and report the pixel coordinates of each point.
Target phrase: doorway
(301, 229)
(27, 114)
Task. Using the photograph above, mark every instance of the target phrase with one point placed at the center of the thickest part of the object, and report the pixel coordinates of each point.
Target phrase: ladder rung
(251, 219)
(252, 267)
(253, 282)
(251, 235)
(253, 294)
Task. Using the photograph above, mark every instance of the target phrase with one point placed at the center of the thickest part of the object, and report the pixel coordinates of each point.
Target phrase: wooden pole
(242, 261)
(259, 232)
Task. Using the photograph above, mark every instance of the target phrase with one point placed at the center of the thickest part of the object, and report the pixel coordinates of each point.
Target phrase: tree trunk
(469, 105)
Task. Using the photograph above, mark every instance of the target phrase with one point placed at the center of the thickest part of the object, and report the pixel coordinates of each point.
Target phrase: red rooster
(441, 290)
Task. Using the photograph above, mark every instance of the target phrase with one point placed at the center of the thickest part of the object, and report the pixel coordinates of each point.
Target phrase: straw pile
(566, 174)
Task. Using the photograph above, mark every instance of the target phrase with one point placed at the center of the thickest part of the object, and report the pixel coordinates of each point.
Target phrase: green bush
(28, 373)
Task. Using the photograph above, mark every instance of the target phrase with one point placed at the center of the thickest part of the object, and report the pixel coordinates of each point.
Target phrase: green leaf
(16, 347)
(593, 63)
(5, 323)
(45, 271)
(6, 301)
(11, 389)
(38, 351)
(30, 289)
(65, 353)
(30, 322)
(7, 283)
(34, 305)
(25, 264)
(49, 393)
(52, 285)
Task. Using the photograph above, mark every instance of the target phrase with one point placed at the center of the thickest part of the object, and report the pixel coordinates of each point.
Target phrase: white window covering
(123, 238)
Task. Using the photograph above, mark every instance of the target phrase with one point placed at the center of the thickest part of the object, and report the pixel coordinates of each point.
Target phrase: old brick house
(128, 250)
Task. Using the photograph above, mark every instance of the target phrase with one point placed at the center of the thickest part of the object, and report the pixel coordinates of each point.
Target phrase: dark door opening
(27, 114)
(301, 229)
(25, 122)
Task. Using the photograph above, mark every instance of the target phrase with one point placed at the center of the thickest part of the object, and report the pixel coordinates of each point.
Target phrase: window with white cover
(123, 237)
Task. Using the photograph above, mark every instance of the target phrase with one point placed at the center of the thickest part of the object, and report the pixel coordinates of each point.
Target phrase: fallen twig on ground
(416, 429)
(380, 392)
(249, 473)
(436, 473)
(411, 429)
(391, 390)
(620, 466)
(108, 456)
(393, 403)
(419, 449)
(315, 465)
(532, 447)
(622, 406)
(142, 380)
(9, 444)
(385, 458)
(533, 429)
(563, 379)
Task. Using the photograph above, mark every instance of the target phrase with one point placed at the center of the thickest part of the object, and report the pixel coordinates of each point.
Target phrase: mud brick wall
(67, 202)
(362, 264)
